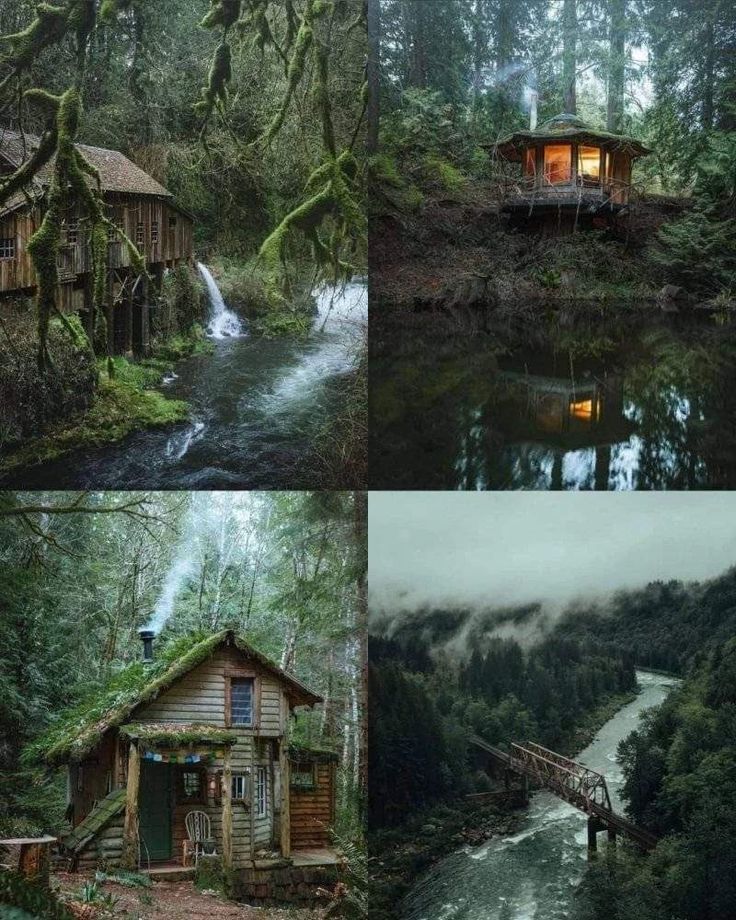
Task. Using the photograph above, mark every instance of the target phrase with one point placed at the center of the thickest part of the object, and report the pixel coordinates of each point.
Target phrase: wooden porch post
(128, 317)
(129, 858)
(227, 813)
(145, 323)
(285, 803)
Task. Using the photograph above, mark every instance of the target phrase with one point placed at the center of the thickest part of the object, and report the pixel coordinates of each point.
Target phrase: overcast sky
(514, 547)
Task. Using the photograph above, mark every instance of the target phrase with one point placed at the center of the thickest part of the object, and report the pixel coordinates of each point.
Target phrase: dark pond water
(257, 406)
(630, 404)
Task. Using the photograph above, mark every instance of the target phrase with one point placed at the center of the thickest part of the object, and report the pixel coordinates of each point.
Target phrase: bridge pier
(594, 826)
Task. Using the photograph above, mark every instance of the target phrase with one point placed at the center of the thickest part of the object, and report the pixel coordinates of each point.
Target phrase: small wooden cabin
(568, 168)
(142, 208)
(208, 733)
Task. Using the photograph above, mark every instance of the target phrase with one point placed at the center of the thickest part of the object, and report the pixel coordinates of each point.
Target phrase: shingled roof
(79, 730)
(117, 172)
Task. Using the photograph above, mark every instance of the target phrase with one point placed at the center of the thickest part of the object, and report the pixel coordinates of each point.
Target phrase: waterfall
(223, 322)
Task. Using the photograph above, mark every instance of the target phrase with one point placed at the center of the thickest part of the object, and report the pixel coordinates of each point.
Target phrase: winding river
(532, 875)
(257, 406)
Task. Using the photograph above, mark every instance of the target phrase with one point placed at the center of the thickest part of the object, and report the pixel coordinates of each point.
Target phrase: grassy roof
(299, 752)
(572, 128)
(80, 729)
(178, 733)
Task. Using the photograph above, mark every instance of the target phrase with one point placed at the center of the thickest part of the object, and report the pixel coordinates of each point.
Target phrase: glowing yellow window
(557, 163)
(589, 163)
(582, 409)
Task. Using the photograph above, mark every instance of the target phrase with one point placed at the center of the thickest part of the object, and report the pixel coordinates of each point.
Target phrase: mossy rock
(209, 876)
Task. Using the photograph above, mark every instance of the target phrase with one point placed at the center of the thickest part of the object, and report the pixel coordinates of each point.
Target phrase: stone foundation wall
(282, 883)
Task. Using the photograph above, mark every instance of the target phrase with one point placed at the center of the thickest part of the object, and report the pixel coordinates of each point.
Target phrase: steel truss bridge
(571, 781)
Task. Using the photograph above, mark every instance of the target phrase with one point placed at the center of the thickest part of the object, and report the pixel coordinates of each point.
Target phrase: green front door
(155, 811)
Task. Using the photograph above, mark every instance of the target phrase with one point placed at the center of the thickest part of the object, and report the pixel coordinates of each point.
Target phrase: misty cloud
(505, 549)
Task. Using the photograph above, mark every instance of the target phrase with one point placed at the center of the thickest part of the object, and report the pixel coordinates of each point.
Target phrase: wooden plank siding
(200, 696)
(313, 810)
(92, 779)
(159, 229)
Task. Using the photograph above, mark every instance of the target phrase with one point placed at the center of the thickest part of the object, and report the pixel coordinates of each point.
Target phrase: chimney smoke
(147, 636)
(533, 100)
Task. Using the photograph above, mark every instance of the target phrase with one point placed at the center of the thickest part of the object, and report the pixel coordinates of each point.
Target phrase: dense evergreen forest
(457, 76)
(81, 572)
(679, 768)
(252, 116)
(422, 711)
(454, 677)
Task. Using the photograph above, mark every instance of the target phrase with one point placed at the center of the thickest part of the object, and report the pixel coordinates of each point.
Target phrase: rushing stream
(532, 875)
(257, 405)
(641, 402)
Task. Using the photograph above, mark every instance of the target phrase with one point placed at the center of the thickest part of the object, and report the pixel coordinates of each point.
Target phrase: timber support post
(129, 857)
(128, 320)
(110, 309)
(285, 803)
(227, 813)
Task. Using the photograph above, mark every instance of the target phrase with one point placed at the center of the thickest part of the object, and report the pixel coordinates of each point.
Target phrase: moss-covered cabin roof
(177, 733)
(78, 731)
(299, 753)
(566, 128)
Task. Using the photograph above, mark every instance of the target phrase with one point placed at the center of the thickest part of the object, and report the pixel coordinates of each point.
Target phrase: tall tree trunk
(480, 48)
(569, 56)
(373, 75)
(360, 536)
(414, 19)
(709, 74)
(504, 34)
(617, 66)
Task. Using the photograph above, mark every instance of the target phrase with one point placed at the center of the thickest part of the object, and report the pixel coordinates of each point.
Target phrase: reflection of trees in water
(664, 417)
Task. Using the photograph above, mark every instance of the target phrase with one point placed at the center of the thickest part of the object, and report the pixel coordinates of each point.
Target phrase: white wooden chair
(197, 825)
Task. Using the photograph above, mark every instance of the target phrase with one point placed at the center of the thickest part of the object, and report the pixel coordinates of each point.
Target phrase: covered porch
(178, 795)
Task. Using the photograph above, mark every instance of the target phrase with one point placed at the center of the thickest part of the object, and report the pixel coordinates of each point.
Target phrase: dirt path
(178, 900)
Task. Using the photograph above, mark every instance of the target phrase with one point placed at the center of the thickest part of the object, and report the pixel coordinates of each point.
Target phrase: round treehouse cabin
(571, 174)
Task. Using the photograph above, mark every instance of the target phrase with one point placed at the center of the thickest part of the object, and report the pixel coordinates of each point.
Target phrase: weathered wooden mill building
(569, 172)
(206, 734)
(137, 204)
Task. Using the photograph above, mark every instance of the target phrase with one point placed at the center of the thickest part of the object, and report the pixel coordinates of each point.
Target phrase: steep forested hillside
(423, 710)
(680, 770)
(668, 625)
(458, 75)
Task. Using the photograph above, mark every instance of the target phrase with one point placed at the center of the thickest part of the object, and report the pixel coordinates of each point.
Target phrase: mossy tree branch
(69, 186)
(332, 192)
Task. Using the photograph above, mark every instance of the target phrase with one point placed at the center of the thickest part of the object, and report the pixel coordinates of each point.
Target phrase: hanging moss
(218, 78)
(110, 9)
(304, 39)
(48, 28)
(322, 96)
(223, 13)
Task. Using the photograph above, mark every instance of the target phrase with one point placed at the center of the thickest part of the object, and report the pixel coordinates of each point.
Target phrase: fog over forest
(499, 550)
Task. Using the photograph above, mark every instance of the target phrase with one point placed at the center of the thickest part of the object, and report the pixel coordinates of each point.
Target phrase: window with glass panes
(241, 700)
(261, 792)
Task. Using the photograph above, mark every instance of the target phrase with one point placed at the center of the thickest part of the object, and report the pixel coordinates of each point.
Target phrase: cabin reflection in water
(572, 415)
